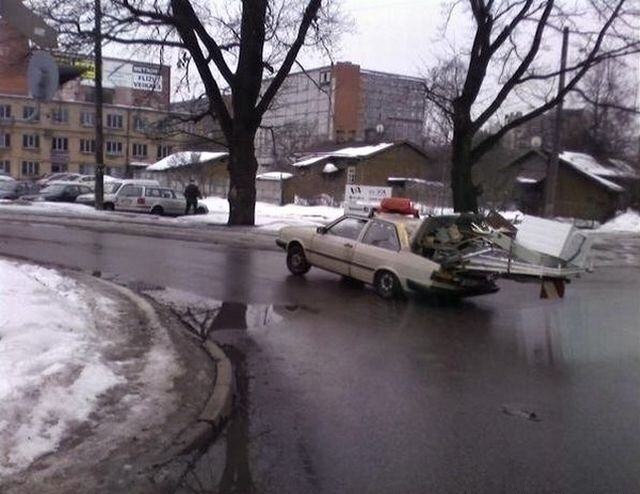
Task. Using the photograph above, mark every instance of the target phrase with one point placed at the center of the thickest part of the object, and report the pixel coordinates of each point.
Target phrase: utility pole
(554, 161)
(97, 36)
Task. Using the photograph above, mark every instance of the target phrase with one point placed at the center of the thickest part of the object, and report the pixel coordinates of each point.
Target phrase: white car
(460, 255)
(154, 199)
(111, 189)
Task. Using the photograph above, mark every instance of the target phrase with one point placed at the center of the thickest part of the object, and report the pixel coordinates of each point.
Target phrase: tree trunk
(242, 179)
(465, 193)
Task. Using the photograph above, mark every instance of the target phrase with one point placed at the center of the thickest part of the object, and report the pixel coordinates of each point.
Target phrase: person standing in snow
(192, 194)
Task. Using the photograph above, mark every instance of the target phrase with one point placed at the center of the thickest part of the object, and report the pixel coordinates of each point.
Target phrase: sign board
(360, 199)
(117, 73)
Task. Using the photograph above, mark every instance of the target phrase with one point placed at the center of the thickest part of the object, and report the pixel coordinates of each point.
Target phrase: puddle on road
(204, 315)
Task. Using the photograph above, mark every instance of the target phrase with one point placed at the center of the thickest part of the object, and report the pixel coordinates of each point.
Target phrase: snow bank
(51, 374)
(629, 221)
(268, 216)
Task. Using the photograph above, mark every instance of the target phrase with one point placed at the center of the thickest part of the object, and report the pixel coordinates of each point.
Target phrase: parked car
(111, 189)
(154, 199)
(13, 189)
(6, 178)
(57, 177)
(459, 255)
(59, 192)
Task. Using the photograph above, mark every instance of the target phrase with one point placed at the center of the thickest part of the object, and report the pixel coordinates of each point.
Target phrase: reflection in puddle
(204, 315)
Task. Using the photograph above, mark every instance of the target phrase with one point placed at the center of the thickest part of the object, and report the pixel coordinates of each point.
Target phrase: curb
(219, 406)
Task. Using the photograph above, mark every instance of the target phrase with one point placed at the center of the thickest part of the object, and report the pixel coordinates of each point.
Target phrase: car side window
(130, 191)
(150, 192)
(85, 190)
(167, 194)
(382, 235)
(348, 228)
(72, 190)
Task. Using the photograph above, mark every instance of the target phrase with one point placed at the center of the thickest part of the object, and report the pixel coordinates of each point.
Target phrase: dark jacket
(192, 192)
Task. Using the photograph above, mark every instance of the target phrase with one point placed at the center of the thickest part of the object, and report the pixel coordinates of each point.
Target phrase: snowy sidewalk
(82, 374)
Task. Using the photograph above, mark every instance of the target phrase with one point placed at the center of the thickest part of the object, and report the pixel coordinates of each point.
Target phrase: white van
(111, 190)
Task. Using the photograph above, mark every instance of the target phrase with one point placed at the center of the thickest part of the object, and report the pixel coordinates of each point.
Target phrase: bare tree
(507, 60)
(609, 92)
(230, 46)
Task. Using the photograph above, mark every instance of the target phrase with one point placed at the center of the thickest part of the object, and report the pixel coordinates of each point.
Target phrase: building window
(5, 141)
(140, 124)
(325, 77)
(114, 148)
(164, 151)
(5, 112)
(60, 116)
(30, 168)
(60, 144)
(59, 167)
(30, 113)
(31, 141)
(351, 175)
(87, 119)
(139, 150)
(5, 166)
(87, 169)
(87, 146)
(114, 121)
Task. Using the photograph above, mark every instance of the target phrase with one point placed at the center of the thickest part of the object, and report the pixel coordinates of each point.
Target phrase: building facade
(339, 104)
(59, 136)
(37, 138)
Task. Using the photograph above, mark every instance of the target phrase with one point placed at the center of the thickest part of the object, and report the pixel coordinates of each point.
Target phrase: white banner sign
(369, 194)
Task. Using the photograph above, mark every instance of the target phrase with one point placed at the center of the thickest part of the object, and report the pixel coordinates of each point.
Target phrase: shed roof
(583, 163)
(186, 158)
(351, 152)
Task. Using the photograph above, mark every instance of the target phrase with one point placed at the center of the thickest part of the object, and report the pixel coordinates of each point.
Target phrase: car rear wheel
(296, 260)
(157, 210)
(387, 285)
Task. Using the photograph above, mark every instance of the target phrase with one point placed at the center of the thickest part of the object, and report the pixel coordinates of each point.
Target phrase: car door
(70, 193)
(379, 246)
(333, 249)
(127, 197)
(174, 204)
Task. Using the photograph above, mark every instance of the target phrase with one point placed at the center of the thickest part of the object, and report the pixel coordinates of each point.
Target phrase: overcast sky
(390, 35)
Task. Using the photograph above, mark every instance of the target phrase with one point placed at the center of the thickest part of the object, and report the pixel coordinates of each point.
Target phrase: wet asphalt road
(349, 393)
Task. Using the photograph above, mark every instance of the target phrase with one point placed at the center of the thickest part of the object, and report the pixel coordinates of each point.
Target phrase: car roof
(65, 182)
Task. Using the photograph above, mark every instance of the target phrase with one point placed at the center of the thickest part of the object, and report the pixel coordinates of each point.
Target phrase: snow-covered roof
(275, 176)
(527, 180)
(348, 152)
(330, 168)
(589, 166)
(624, 168)
(139, 164)
(430, 183)
(185, 158)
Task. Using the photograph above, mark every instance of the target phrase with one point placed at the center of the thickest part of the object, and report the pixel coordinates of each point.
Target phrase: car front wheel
(296, 260)
(157, 210)
(387, 285)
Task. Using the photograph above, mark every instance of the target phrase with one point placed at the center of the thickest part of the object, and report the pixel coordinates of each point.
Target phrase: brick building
(41, 138)
(339, 104)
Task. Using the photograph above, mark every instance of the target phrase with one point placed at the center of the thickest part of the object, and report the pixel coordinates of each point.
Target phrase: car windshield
(111, 187)
(53, 189)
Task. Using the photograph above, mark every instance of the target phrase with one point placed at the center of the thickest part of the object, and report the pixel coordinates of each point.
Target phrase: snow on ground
(629, 221)
(51, 374)
(268, 216)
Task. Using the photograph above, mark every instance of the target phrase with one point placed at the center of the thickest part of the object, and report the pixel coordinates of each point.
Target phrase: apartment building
(41, 138)
(340, 103)
(37, 138)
